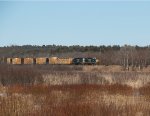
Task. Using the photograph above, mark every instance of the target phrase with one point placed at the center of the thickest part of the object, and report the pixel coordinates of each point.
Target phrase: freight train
(53, 60)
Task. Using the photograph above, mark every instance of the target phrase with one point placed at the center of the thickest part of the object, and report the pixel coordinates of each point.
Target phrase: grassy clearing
(82, 100)
(71, 91)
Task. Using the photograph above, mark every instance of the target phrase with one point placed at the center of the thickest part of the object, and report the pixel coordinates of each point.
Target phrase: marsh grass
(49, 90)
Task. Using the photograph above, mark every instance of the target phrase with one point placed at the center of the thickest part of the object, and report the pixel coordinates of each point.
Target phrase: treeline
(34, 50)
(134, 56)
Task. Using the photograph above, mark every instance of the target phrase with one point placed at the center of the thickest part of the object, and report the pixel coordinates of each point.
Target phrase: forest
(127, 55)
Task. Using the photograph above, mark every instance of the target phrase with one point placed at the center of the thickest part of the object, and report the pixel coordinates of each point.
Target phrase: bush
(24, 75)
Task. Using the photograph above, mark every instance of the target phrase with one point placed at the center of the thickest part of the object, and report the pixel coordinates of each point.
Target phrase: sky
(75, 22)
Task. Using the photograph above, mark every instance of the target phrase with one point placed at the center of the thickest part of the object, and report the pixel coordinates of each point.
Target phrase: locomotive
(83, 61)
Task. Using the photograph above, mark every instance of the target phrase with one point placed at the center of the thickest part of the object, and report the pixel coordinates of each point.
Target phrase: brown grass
(82, 100)
(24, 92)
(43, 89)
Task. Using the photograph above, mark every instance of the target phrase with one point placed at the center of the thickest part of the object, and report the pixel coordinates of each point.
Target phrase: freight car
(56, 60)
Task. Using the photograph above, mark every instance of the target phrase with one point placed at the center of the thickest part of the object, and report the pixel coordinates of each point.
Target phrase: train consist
(53, 60)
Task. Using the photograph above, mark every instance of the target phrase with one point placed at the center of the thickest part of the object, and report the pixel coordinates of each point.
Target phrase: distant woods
(133, 56)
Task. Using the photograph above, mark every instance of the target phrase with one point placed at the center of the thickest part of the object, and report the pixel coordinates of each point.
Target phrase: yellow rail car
(53, 60)
(28, 60)
(56, 60)
(64, 61)
(42, 60)
(17, 60)
(9, 60)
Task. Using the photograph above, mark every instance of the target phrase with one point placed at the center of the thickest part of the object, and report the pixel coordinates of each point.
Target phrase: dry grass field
(64, 90)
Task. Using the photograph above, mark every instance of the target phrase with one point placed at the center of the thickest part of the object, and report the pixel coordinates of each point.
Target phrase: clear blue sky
(69, 23)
